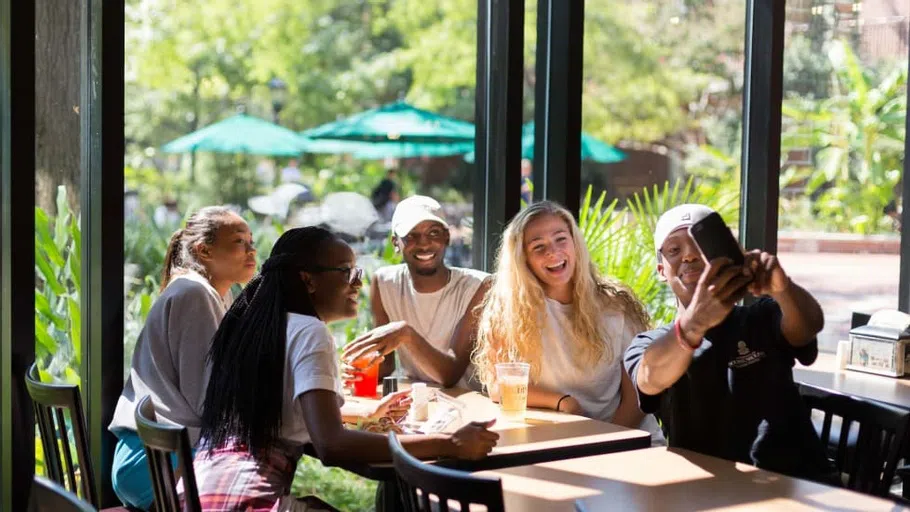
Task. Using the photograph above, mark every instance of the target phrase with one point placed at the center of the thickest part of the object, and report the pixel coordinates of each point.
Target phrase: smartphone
(715, 240)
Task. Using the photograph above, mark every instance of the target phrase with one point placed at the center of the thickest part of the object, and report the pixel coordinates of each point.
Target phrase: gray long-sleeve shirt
(169, 362)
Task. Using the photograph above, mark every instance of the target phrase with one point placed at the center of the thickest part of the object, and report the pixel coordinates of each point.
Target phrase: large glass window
(843, 131)
(57, 180)
(299, 65)
(662, 107)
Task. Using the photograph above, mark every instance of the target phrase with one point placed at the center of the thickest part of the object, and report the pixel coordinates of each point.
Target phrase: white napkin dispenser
(883, 345)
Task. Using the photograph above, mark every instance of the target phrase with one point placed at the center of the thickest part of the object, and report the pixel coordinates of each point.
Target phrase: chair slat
(52, 466)
(845, 426)
(86, 471)
(67, 455)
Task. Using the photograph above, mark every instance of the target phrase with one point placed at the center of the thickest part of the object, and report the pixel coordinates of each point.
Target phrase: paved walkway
(844, 283)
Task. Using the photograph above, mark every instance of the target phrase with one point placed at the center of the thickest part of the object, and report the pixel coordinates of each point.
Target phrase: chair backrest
(419, 481)
(49, 496)
(51, 401)
(162, 441)
(882, 430)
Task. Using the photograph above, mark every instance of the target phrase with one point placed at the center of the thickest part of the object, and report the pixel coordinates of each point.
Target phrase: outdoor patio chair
(419, 481)
(162, 441)
(870, 467)
(49, 496)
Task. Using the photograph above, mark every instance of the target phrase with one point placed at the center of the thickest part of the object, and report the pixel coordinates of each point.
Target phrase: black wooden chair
(161, 442)
(418, 481)
(51, 401)
(49, 496)
(870, 467)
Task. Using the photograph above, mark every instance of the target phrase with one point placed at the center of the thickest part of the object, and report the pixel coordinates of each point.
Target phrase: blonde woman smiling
(548, 306)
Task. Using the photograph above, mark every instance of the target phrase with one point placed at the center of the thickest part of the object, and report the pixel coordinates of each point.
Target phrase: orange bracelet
(677, 327)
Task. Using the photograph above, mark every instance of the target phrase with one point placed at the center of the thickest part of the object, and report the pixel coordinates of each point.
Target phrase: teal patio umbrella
(239, 134)
(378, 150)
(591, 148)
(395, 130)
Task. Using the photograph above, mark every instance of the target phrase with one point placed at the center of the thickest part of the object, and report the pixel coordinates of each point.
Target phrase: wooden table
(544, 436)
(824, 374)
(667, 479)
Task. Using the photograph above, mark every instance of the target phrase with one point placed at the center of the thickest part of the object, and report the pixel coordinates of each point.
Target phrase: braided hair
(244, 395)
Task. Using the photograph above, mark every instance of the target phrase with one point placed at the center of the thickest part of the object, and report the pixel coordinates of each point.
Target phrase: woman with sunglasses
(276, 386)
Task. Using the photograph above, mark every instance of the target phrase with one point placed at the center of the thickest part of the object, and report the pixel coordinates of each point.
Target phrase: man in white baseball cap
(426, 304)
(720, 376)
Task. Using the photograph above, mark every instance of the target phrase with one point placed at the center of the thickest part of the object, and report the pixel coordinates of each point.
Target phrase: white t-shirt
(311, 362)
(433, 315)
(596, 388)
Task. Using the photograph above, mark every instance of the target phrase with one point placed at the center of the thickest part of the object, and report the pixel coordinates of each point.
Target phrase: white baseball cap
(412, 211)
(678, 217)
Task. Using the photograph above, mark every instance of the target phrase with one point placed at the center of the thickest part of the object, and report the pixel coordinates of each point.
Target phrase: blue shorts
(130, 473)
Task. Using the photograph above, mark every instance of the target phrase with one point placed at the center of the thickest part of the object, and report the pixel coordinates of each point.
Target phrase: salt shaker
(420, 405)
(842, 356)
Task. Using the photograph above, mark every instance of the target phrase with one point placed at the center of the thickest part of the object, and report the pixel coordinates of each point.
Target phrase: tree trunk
(57, 94)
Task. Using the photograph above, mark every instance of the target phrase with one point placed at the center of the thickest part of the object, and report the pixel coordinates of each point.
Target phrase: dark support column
(102, 228)
(17, 249)
(904, 292)
(557, 137)
(761, 127)
(500, 61)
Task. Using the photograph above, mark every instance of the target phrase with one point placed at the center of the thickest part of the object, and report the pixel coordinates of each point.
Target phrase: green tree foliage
(859, 132)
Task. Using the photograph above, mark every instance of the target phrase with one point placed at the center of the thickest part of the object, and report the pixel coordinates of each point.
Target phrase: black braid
(245, 390)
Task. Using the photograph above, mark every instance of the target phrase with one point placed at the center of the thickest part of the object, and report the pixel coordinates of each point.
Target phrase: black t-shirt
(738, 400)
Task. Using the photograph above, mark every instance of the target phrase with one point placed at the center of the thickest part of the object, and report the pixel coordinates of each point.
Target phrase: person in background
(276, 385)
(422, 308)
(130, 205)
(291, 173)
(551, 308)
(526, 180)
(212, 253)
(167, 214)
(892, 211)
(385, 196)
(720, 377)
(265, 172)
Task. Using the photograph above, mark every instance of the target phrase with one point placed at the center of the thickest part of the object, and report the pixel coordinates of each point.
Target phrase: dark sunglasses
(353, 274)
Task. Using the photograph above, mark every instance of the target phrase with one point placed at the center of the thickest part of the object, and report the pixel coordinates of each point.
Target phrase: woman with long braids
(204, 259)
(550, 307)
(275, 382)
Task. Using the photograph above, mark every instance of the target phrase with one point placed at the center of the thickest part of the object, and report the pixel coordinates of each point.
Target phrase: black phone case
(715, 240)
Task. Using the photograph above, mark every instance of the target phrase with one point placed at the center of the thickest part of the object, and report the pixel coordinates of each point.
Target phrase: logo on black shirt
(746, 357)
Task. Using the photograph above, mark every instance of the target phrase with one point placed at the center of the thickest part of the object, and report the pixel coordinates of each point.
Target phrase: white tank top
(597, 387)
(433, 315)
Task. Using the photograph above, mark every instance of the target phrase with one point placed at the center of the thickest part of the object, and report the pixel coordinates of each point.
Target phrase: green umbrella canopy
(379, 150)
(591, 148)
(239, 134)
(395, 122)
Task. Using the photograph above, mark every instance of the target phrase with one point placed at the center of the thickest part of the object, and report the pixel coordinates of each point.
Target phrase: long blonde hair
(514, 309)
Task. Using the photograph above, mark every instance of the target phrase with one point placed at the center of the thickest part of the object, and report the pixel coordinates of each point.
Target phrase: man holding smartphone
(720, 376)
